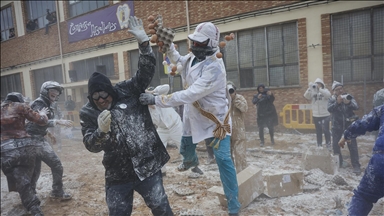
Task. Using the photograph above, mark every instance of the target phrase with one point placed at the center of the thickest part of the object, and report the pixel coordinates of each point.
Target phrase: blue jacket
(371, 122)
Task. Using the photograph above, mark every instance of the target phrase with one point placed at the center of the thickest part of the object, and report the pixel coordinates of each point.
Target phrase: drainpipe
(187, 13)
(61, 49)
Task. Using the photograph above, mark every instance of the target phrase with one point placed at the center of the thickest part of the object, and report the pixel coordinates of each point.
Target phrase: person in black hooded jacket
(266, 112)
(114, 121)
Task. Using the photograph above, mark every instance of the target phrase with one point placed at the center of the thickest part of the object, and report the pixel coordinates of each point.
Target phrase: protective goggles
(54, 91)
(101, 94)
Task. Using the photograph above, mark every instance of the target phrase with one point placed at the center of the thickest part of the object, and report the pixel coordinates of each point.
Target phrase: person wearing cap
(18, 154)
(319, 95)
(239, 107)
(115, 122)
(50, 92)
(206, 105)
(371, 186)
(167, 120)
(342, 105)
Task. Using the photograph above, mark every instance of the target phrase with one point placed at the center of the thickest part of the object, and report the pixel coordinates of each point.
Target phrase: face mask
(201, 52)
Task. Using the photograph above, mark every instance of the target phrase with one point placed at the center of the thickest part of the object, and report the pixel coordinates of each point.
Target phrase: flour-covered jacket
(319, 100)
(371, 122)
(204, 82)
(132, 149)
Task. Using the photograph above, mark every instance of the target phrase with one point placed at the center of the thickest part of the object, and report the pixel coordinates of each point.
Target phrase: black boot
(36, 211)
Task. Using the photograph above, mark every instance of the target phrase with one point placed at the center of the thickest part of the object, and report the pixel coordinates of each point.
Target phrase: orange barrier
(297, 116)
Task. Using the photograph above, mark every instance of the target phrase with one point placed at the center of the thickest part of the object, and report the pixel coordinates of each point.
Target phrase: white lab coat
(204, 82)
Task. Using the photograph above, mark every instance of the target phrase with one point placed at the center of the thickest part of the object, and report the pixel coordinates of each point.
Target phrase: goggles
(200, 44)
(101, 94)
(54, 91)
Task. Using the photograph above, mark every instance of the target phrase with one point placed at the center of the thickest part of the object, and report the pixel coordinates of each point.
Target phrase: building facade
(282, 44)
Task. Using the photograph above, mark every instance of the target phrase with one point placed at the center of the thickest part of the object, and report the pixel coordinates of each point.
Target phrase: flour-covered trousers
(46, 154)
(18, 164)
(224, 162)
(239, 154)
(370, 189)
(120, 197)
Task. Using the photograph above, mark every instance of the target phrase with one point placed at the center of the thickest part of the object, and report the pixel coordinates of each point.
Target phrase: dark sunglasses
(101, 94)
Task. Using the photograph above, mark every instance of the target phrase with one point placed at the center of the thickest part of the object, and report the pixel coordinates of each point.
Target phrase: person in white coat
(206, 104)
(167, 120)
(319, 95)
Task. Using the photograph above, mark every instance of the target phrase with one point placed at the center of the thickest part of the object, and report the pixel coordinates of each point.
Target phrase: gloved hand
(104, 121)
(66, 123)
(44, 111)
(135, 27)
(147, 99)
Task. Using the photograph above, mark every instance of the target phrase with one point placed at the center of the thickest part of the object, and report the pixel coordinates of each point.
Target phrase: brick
(320, 158)
(251, 185)
(285, 184)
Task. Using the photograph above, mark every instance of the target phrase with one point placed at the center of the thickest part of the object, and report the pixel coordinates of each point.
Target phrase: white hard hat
(205, 31)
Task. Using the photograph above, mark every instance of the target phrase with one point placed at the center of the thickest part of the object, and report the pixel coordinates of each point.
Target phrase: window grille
(267, 55)
(37, 11)
(85, 68)
(7, 28)
(78, 7)
(357, 45)
(42, 75)
(10, 83)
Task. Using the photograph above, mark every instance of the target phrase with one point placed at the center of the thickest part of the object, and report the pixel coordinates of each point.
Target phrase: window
(267, 55)
(7, 28)
(42, 75)
(37, 12)
(160, 77)
(85, 68)
(78, 7)
(358, 45)
(10, 83)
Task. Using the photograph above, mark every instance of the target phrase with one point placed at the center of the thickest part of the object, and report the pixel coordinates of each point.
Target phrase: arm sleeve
(93, 139)
(353, 105)
(332, 105)
(241, 104)
(325, 92)
(34, 116)
(369, 122)
(308, 94)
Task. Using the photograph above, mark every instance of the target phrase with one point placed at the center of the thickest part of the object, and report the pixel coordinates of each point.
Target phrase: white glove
(104, 121)
(66, 123)
(135, 26)
(44, 111)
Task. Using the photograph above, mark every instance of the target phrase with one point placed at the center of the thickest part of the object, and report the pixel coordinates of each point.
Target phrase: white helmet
(205, 31)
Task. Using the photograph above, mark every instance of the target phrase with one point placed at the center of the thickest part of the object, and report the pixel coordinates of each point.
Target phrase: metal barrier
(72, 115)
(297, 116)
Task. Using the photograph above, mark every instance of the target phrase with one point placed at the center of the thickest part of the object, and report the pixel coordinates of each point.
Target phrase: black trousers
(270, 127)
(46, 154)
(18, 166)
(353, 150)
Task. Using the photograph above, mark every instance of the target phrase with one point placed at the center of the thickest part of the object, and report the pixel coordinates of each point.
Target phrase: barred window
(85, 68)
(7, 28)
(37, 12)
(42, 75)
(10, 83)
(267, 55)
(358, 46)
(78, 7)
(160, 77)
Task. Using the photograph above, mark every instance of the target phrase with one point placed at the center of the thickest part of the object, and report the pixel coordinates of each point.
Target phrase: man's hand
(343, 141)
(135, 27)
(147, 99)
(269, 93)
(44, 111)
(339, 99)
(104, 121)
(259, 96)
(66, 123)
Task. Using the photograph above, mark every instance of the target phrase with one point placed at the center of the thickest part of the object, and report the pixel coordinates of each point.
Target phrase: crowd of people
(132, 124)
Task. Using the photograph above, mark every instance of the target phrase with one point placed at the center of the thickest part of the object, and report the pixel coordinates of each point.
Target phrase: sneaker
(182, 168)
(164, 174)
(357, 170)
(62, 196)
(261, 144)
(36, 211)
(343, 164)
(196, 169)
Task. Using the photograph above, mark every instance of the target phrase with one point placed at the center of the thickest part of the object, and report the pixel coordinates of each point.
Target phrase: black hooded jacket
(132, 149)
(266, 111)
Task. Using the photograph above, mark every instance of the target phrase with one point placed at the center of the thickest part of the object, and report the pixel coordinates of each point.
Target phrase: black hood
(261, 85)
(99, 82)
